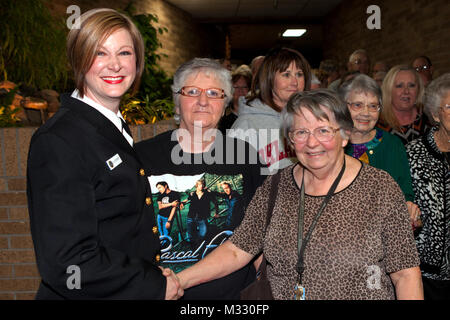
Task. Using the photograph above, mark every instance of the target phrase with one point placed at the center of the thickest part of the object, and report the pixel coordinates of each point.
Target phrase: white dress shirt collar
(115, 118)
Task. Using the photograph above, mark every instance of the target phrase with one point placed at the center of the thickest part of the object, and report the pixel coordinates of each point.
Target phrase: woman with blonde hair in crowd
(402, 112)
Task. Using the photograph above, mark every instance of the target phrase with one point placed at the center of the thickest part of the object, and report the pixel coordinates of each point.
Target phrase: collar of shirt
(115, 118)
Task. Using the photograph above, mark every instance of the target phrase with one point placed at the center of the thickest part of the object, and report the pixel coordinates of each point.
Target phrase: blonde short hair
(96, 26)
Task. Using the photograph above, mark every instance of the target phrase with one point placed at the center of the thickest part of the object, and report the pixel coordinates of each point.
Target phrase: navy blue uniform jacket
(85, 215)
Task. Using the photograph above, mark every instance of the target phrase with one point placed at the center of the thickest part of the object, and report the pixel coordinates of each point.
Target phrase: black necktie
(126, 127)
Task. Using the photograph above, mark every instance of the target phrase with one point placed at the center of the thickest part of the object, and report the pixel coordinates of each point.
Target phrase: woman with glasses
(402, 113)
(429, 163)
(355, 240)
(282, 73)
(373, 145)
(197, 151)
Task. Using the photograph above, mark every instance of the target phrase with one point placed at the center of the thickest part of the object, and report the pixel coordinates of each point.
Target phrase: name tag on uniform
(113, 162)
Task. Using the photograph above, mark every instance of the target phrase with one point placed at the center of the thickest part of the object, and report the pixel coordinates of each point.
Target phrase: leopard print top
(363, 235)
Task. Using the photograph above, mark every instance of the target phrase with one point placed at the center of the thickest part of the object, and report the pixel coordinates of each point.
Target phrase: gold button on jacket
(142, 172)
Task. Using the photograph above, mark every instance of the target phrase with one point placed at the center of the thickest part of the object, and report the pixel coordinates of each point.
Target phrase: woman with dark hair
(88, 196)
(339, 229)
(282, 73)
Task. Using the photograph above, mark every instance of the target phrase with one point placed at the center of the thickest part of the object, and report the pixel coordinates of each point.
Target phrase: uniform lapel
(103, 125)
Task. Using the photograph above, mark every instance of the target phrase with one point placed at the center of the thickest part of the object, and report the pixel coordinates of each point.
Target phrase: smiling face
(313, 154)
(201, 111)
(404, 91)
(286, 83)
(363, 120)
(113, 70)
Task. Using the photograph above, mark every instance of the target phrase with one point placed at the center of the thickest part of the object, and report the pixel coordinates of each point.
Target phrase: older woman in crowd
(372, 145)
(429, 162)
(357, 242)
(86, 186)
(283, 72)
(196, 151)
(242, 81)
(402, 112)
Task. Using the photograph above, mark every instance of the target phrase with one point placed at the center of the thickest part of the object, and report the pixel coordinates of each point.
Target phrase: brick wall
(184, 40)
(408, 29)
(19, 277)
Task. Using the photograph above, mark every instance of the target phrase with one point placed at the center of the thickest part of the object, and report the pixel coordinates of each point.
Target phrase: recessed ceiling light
(294, 32)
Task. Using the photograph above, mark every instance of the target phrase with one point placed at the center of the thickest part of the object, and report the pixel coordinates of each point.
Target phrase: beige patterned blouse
(363, 235)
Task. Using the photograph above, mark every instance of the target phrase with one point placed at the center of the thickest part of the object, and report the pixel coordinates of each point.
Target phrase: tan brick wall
(408, 29)
(184, 40)
(19, 276)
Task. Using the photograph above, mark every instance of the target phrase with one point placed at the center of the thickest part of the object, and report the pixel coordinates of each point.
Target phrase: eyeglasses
(422, 68)
(323, 134)
(359, 106)
(212, 93)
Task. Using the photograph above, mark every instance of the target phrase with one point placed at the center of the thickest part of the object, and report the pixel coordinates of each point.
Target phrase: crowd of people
(358, 154)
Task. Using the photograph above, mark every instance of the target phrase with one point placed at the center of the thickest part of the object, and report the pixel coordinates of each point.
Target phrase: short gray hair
(207, 66)
(436, 90)
(313, 101)
(360, 84)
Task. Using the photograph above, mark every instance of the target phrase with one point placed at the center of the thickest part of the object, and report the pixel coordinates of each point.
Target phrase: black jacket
(84, 214)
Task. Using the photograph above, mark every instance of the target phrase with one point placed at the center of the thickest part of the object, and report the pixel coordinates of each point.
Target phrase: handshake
(174, 289)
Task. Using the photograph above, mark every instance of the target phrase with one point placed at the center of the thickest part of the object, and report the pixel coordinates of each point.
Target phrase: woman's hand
(174, 290)
(414, 214)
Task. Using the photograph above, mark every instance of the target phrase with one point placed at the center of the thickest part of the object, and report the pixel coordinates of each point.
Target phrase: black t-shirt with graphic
(229, 160)
(166, 198)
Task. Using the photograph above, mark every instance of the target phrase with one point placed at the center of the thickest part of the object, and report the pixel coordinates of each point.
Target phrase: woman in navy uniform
(89, 199)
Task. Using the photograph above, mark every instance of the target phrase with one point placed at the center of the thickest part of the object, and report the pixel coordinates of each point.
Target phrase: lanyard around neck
(303, 242)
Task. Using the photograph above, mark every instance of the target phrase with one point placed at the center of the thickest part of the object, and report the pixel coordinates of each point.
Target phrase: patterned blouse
(363, 235)
(431, 183)
(411, 131)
